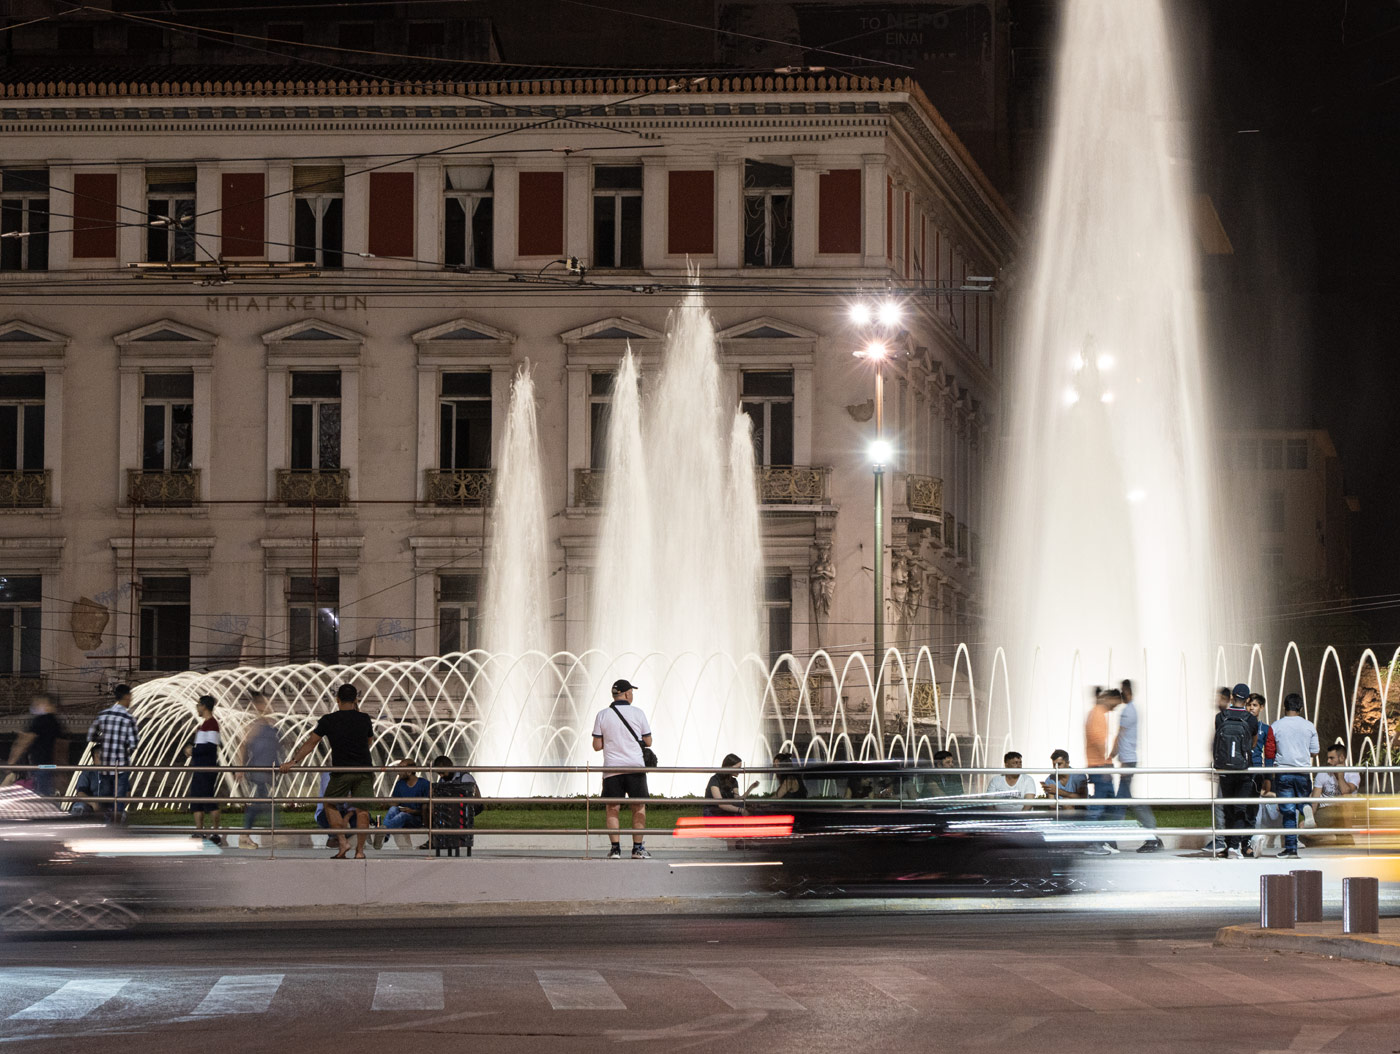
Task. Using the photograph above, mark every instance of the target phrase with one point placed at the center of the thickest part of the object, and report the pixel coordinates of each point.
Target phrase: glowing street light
(881, 450)
(860, 313)
(890, 314)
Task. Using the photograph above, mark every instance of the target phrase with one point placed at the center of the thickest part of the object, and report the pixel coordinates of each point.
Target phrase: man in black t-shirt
(41, 740)
(349, 731)
(1236, 731)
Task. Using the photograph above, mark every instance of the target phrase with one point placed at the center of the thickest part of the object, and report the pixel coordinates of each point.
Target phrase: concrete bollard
(1276, 902)
(1361, 905)
(1307, 892)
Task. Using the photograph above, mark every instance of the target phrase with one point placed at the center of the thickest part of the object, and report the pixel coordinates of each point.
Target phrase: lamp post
(878, 321)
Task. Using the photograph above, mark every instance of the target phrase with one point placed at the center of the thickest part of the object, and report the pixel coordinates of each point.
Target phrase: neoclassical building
(258, 328)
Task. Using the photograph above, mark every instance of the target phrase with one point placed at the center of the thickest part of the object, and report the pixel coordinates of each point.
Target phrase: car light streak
(733, 827)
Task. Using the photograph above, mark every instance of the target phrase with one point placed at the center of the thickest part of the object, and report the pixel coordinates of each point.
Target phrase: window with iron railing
(315, 405)
(767, 215)
(170, 212)
(777, 611)
(617, 216)
(464, 421)
(167, 422)
(318, 214)
(469, 217)
(600, 394)
(768, 400)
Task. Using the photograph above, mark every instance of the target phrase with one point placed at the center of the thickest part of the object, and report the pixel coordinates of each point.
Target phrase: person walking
(114, 737)
(41, 743)
(261, 754)
(622, 733)
(349, 732)
(1296, 746)
(1125, 749)
(1096, 757)
(204, 759)
(1236, 731)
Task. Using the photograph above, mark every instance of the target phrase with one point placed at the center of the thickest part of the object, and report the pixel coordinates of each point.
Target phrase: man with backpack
(622, 733)
(1236, 731)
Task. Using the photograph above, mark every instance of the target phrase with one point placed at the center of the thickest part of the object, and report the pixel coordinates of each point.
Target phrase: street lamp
(878, 322)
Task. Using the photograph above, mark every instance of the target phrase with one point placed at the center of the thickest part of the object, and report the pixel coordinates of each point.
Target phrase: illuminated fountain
(1107, 567)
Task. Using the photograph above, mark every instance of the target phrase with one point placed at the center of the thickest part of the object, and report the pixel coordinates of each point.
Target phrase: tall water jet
(1106, 542)
(516, 725)
(681, 528)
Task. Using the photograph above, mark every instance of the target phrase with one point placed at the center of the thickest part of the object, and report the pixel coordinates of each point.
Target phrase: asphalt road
(1072, 982)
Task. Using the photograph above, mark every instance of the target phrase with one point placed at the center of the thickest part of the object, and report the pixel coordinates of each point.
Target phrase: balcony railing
(24, 490)
(17, 692)
(588, 486)
(324, 488)
(793, 484)
(924, 495)
(467, 487)
(169, 490)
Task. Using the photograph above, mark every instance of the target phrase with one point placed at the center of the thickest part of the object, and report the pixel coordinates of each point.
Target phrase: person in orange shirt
(1096, 749)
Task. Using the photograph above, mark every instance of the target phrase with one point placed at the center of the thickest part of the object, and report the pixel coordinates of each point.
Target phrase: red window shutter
(391, 215)
(95, 216)
(690, 213)
(241, 210)
(838, 211)
(540, 225)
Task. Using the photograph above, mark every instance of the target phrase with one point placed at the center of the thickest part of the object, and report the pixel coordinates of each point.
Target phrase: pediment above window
(27, 342)
(767, 341)
(600, 345)
(312, 340)
(616, 328)
(165, 341)
(767, 328)
(462, 339)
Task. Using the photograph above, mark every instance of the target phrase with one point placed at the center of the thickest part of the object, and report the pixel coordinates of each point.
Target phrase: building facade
(257, 336)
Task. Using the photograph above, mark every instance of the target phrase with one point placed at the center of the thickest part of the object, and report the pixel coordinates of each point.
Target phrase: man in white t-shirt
(620, 731)
(1012, 787)
(1333, 788)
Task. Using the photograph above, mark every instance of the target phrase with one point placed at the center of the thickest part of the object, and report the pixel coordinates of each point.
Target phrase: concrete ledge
(1319, 938)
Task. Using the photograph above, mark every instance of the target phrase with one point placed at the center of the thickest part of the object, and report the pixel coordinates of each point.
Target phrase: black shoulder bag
(648, 755)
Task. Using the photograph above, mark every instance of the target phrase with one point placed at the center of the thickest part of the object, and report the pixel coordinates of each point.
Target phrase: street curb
(1362, 947)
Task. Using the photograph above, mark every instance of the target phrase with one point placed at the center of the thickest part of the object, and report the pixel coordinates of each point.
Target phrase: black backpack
(1233, 748)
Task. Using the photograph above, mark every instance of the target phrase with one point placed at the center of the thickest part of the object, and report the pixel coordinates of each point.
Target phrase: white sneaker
(1112, 848)
(1235, 854)
(244, 842)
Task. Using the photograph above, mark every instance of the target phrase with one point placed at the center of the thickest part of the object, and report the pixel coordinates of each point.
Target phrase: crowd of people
(1101, 790)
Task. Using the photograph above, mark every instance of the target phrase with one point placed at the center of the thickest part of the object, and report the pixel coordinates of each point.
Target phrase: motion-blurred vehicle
(65, 874)
(882, 829)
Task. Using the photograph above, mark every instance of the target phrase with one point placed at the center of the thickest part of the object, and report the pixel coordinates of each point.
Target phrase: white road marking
(1078, 988)
(578, 990)
(908, 986)
(743, 989)
(240, 994)
(74, 1000)
(1310, 1039)
(408, 991)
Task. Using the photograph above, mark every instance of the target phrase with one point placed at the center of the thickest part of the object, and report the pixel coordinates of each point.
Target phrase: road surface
(1073, 982)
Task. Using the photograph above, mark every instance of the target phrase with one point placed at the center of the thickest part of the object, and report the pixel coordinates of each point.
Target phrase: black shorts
(626, 785)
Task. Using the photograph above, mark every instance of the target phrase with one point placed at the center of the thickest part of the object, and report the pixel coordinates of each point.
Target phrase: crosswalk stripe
(1264, 990)
(1080, 989)
(578, 990)
(1376, 977)
(73, 1000)
(743, 989)
(408, 991)
(909, 987)
(240, 994)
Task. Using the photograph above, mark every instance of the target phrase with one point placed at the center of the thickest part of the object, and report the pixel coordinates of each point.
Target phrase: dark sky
(1306, 314)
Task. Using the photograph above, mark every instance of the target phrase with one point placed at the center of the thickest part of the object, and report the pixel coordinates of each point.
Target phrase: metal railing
(24, 490)
(162, 489)
(793, 484)
(467, 487)
(924, 494)
(1379, 826)
(326, 488)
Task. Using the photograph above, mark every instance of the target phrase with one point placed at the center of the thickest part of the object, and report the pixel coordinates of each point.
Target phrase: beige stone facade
(214, 432)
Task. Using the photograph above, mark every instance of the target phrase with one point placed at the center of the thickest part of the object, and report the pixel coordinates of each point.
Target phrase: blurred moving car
(66, 874)
(881, 829)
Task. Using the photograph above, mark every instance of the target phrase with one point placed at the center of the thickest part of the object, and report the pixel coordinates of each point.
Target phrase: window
(1274, 520)
(464, 413)
(459, 613)
(1297, 451)
(1271, 453)
(767, 399)
(617, 216)
(318, 196)
(24, 219)
(777, 610)
(167, 422)
(767, 215)
(600, 392)
(357, 35)
(468, 231)
(170, 214)
(1246, 454)
(21, 624)
(316, 421)
(165, 622)
(21, 422)
(313, 619)
(1271, 560)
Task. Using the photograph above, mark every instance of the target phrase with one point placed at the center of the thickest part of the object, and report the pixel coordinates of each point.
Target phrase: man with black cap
(621, 731)
(1236, 730)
